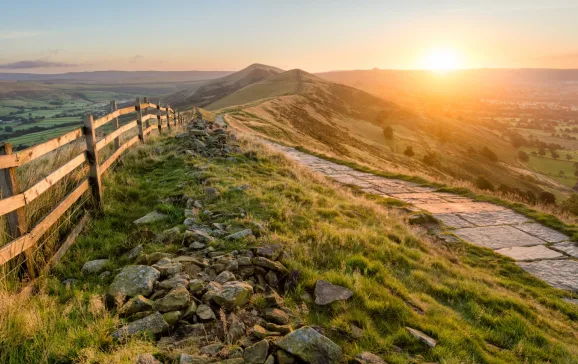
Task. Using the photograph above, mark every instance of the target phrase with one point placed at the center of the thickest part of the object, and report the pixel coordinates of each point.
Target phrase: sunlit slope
(302, 109)
(218, 88)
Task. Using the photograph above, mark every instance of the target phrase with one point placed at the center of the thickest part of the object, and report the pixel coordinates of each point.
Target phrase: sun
(442, 60)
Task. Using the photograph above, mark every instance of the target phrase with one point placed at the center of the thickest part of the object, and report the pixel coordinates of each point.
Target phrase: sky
(316, 35)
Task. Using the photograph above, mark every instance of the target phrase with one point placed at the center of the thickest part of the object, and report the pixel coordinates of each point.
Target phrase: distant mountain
(216, 89)
(116, 76)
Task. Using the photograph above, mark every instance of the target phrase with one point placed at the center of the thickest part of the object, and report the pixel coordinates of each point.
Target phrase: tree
(409, 151)
(569, 157)
(523, 156)
(486, 152)
(484, 184)
(547, 198)
(554, 154)
(388, 132)
(8, 129)
(542, 151)
(430, 159)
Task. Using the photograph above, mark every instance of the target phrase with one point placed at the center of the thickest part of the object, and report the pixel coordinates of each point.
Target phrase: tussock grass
(480, 307)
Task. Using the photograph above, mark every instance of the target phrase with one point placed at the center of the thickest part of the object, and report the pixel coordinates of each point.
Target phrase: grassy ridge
(481, 307)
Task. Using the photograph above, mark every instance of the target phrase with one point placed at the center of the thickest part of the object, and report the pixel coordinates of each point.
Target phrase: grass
(480, 307)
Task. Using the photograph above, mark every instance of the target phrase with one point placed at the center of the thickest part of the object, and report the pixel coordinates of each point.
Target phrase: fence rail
(14, 201)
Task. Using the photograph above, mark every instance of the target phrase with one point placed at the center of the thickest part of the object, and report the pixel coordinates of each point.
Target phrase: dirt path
(543, 252)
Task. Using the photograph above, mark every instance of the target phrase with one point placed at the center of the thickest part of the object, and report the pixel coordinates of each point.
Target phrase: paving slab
(447, 207)
(418, 197)
(568, 247)
(491, 218)
(497, 237)
(453, 221)
(561, 274)
(525, 253)
(543, 232)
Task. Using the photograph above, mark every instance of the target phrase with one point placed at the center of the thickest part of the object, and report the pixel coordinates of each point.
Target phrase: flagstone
(536, 252)
(561, 274)
(496, 237)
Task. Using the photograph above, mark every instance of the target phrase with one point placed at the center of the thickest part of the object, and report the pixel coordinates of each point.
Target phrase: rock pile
(208, 139)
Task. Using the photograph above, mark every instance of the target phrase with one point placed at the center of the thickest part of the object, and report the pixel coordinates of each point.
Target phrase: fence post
(159, 120)
(91, 153)
(168, 117)
(139, 120)
(113, 108)
(146, 101)
(16, 220)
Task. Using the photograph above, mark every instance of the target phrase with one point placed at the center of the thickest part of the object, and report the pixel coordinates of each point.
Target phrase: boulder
(277, 316)
(193, 359)
(282, 329)
(261, 333)
(167, 267)
(269, 264)
(201, 236)
(205, 313)
(134, 253)
(212, 349)
(134, 280)
(429, 341)
(146, 359)
(94, 266)
(151, 217)
(169, 236)
(239, 234)
(134, 305)
(310, 346)
(285, 358)
(196, 286)
(326, 293)
(368, 358)
(225, 277)
(177, 299)
(257, 353)
(154, 324)
(233, 294)
(172, 317)
(176, 281)
(269, 251)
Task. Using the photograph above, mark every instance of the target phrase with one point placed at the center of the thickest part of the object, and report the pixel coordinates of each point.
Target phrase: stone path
(541, 251)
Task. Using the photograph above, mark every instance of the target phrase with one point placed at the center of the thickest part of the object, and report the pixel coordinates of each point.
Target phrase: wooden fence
(14, 200)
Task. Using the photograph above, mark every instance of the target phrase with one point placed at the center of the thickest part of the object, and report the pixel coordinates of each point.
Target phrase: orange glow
(442, 60)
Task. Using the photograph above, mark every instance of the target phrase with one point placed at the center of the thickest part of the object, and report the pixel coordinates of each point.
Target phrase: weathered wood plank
(107, 118)
(29, 154)
(149, 129)
(113, 108)
(92, 154)
(115, 134)
(27, 241)
(11, 203)
(139, 120)
(117, 154)
(47, 182)
(68, 242)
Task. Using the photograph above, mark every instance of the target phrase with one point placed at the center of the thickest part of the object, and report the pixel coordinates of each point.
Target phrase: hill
(211, 91)
(301, 109)
(115, 76)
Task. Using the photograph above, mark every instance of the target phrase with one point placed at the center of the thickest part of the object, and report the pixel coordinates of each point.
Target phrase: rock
(190, 311)
(261, 333)
(423, 219)
(211, 193)
(134, 253)
(169, 235)
(244, 261)
(167, 267)
(368, 358)
(272, 298)
(94, 266)
(285, 358)
(134, 305)
(154, 324)
(256, 354)
(326, 293)
(356, 332)
(269, 264)
(212, 349)
(282, 329)
(225, 277)
(134, 280)
(236, 328)
(196, 286)
(156, 256)
(146, 359)
(205, 313)
(196, 245)
(232, 361)
(422, 337)
(177, 299)
(151, 217)
(271, 252)
(277, 316)
(233, 294)
(176, 281)
(239, 235)
(272, 279)
(236, 352)
(172, 317)
(104, 275)
(212, 289)
(190, 359)
(201, 236)
(310, 346)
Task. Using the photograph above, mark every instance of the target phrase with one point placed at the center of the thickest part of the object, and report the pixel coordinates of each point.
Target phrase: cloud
(39, 63)
(136, 58)
(19, 34)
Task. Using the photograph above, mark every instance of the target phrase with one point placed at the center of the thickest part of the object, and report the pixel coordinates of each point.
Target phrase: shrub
(388, 132)
(547, 198)
(409, 151)
(484, 184)
(486, 152)
(523, 156)
(430, 159)
(571, 204)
